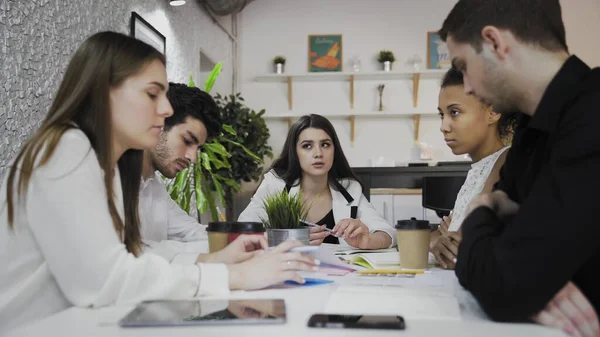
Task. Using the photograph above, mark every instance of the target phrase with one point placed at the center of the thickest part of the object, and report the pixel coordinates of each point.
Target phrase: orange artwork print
(325, 53)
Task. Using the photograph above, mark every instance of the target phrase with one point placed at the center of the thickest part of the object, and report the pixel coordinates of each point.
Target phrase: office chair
(439, 193)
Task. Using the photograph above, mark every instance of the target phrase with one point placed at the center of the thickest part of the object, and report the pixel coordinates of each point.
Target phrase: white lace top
(472, 187)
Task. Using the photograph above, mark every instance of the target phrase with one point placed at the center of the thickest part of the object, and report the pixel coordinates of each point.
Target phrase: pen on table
(313, 225)
(221, 216)
(390, 271)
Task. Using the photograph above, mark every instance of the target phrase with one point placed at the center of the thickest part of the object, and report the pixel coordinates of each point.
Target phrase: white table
(301, 303)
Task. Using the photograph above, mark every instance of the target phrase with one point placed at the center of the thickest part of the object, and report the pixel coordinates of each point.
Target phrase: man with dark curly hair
(195, 119)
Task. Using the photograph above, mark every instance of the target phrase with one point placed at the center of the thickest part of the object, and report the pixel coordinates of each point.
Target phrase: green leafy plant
(386, 55)
(279, 59)
(249, 129)
(284, 211)
(201, 181)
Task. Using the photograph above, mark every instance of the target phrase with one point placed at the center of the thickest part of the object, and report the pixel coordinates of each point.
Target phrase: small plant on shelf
(279, 59)
(386, 58)
(279, 62)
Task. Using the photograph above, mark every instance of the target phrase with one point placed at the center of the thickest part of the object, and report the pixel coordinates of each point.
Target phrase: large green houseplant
(284, 215)
(201, 181)
(251, 130)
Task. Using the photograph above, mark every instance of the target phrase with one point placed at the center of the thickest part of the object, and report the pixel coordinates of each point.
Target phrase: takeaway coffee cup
(413, 243)
(220, 234)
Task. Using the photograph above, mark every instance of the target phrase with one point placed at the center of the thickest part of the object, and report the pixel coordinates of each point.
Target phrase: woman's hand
(571, 312)
(445, 249)
(317, 235)
(243, 248)
(354, 232)
(271, 267)
(445, 224)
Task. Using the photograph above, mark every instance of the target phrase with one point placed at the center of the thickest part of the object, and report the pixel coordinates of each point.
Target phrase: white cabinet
(384, 204)
(406, 207)
(394, 207)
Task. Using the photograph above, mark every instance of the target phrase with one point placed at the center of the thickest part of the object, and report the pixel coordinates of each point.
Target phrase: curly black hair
(507, 122)
(193, 102)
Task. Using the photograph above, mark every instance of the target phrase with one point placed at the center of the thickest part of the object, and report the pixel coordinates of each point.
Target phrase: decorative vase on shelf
(415, 63)
(380, 90)
(356, 64)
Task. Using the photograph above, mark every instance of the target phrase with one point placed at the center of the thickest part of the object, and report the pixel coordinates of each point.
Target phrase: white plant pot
(279, 68)
(387, 66)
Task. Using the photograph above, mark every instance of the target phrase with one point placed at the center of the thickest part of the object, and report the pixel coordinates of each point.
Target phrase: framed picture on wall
(142, 30)
(325, 53)
(437, 52)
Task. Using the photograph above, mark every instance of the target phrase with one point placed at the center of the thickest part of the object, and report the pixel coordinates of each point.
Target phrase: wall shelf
(351, 78)
(351, 116)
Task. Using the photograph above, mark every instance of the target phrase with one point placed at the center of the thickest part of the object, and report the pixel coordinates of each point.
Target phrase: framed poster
(324, 53)
(142, 30)
(438, 56)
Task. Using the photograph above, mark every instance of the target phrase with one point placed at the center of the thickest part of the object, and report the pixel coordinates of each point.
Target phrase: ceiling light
(177, 2)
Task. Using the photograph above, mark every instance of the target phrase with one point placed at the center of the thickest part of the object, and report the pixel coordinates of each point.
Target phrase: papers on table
(329, 260)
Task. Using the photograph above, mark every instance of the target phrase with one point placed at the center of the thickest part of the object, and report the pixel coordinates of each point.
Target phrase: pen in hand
(307, 223)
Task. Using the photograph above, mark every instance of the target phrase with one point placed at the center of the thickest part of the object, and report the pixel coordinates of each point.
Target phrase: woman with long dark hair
(312, 162)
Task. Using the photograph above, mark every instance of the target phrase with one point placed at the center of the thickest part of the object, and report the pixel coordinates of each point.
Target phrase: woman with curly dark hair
(469, 127)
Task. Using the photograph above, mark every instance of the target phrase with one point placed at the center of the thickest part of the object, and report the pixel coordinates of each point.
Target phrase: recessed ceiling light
(177, 2)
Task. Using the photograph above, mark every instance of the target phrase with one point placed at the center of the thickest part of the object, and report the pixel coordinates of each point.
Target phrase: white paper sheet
(410, 303)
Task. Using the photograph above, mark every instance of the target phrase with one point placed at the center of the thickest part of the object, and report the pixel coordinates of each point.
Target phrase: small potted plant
(284, 213)
(279, 62)
(386, 58)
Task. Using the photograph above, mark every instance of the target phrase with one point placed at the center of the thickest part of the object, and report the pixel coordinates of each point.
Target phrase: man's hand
(498, 201)
(571, 312)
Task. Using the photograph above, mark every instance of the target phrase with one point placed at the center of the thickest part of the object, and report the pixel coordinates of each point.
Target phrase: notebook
(360, 251)
(389, 260)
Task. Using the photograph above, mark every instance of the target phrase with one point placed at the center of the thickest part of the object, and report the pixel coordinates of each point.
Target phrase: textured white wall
(38, 37)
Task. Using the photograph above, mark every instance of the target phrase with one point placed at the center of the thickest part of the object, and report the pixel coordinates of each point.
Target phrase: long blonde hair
(103, 61)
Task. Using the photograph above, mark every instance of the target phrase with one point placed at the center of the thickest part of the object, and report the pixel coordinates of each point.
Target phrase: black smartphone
(356, 322)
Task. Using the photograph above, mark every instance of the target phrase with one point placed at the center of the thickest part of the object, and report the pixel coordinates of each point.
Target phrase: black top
(514, 268)
(329, 221)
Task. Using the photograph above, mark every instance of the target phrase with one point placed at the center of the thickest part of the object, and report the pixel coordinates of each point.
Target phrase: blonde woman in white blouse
(69, 228)
(469, 127)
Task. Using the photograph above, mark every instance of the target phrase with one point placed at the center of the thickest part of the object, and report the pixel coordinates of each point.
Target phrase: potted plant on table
(386, 58)
(279, 62)
(284, 213)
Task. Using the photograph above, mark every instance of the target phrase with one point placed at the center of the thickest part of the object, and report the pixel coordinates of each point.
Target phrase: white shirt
(342, 208)
(166, 229)
(65, 252)
(472, 187)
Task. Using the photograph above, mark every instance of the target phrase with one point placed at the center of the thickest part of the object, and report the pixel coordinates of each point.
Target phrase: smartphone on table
(356, 322)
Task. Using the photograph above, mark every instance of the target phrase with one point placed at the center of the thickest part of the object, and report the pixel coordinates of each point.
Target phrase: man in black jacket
(538, 231)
